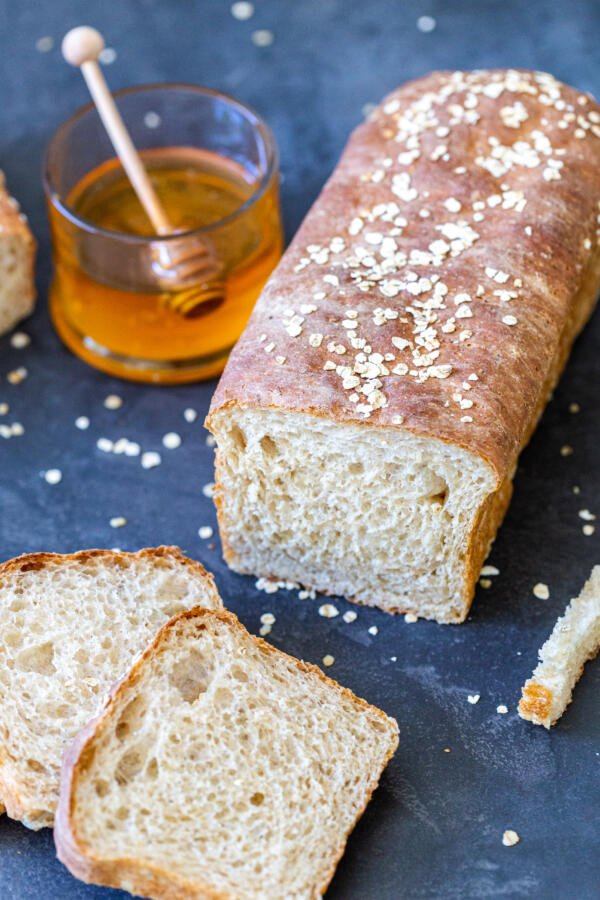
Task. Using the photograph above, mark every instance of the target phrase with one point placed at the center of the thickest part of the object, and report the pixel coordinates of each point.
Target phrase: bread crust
(146, 879)
(13, 803)
(557, 262)
(14, 224)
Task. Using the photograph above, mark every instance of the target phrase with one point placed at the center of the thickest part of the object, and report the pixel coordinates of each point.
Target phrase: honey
(106, 302)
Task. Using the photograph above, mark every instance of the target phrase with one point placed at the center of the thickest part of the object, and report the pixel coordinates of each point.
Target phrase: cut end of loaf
(217, 751)
(382, 516)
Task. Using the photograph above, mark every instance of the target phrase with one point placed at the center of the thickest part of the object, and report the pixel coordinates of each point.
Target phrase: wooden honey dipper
(184, 261)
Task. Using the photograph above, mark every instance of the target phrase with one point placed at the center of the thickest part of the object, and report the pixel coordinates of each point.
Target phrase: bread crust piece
(534, 210)
(12, 801)
(149, 880)
(14, 224)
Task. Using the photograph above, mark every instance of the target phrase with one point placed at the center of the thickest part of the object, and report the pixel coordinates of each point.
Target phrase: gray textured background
(434, 827)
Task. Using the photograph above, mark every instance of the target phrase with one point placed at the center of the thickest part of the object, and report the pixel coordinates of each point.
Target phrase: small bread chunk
(574, 640)
(17, 253)
(69, 628)
(220, 767)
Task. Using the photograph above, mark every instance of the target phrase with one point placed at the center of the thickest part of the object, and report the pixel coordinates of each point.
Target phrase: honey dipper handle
(81, 48)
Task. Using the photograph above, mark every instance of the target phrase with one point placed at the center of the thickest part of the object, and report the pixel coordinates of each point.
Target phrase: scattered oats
(44, 44)
(315, 340)
(132, 448)
(267, 619)
(107, 56)
(473, 698)
(574, 408)
(105, 445)
(205, 532)
(150, 459)
(262, 38)
(20, 340)
(502, 709)
(426, 24)
(410, 618)
(566, 450)
(350, 616)
(242, 10)
(82, 422)
(152, 119)
(510, 320)
(490, 570)
(280, 360)
(485, 583)
(118, 521)
(586, 515)
(328, 660)
(510, 838)
(171, 440)
(328, 611)
(113, 401)
(53, 476)
(588, 530)
(373, 629)
(209, 489)
(17, 375)
(190, 415)
(541, 591)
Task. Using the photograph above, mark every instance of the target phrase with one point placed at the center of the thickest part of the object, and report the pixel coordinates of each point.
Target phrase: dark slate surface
(434, 827)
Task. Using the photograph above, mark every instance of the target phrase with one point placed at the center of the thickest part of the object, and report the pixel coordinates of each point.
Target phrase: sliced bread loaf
(220, 768)
(17, 254)
(574, 640)
(69, 628)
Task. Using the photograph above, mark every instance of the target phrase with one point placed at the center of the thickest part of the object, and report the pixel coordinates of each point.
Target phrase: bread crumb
(373, 629)
(541, 591)
(328, 611)
(426, 24)
(588, 530)
(82, 422)
(264, 630)
(586, 515)
(113, 401)
(502, 709)
(566, 450)
(4, 409)
(262, 38)
(20, 340)
(490, 570)
(510, 838)
(447, 750)
(211, 441)
(190, 415)
(171, 440)
(53, 476)
(150, 459)
(118, 521)
(105, 445)
(17, 375)
(205, 532)
(350, 616)
(473, 698)
(242, 10)
(485, 583)
(328, 660)
(267, 619)
(44, 44)
(209, 489)
(410, 618)
(574, 408)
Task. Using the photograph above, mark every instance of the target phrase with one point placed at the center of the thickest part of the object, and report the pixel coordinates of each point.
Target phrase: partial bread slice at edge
(574, 640)
(70, 625)
(277, 763)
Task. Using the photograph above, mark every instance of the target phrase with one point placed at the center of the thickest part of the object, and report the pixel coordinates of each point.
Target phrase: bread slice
(17, 252)
(220, 768)
(69, 628)
(574, 639)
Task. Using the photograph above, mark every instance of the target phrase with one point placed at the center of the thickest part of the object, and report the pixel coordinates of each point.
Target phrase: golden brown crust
(16, 807)
(537, 241)
(536, 702)
(14, 224)
(143, 878)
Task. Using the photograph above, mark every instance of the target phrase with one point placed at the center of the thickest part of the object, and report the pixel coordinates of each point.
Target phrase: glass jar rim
(259, 124)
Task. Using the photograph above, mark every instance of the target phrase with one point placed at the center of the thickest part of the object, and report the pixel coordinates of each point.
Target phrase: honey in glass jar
(217, 181)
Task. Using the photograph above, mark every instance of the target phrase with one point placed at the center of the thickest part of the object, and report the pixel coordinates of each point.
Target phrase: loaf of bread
(370, 419)
(575, 639)
(219, 768)
(17, 254)
(69, 627)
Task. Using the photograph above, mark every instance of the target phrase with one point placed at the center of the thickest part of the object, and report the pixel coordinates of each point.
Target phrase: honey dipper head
(82, 45)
